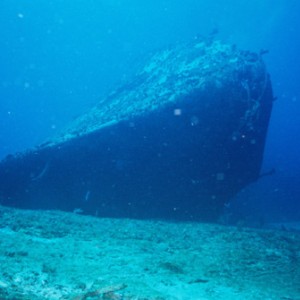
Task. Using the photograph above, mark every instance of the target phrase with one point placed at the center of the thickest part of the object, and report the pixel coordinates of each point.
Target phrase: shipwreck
(178, 141)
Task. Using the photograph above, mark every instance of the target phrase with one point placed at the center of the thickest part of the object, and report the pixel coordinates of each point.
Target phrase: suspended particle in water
(177, 112)
(220, 176)
(194, 121)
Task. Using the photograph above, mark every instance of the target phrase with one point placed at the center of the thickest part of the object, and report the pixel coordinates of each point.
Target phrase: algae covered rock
(177, 141)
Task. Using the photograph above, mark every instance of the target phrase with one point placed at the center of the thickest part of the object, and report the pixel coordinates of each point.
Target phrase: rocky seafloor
(57, 255)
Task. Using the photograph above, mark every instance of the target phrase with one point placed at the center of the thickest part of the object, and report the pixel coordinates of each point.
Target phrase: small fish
(87, 196)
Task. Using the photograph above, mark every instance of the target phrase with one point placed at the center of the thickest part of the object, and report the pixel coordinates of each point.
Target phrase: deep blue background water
(57, 58)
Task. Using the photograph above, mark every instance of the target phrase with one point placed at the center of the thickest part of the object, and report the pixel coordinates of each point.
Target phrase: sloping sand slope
(56, 255)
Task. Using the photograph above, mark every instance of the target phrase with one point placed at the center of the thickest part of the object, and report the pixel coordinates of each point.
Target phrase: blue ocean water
(59, 57)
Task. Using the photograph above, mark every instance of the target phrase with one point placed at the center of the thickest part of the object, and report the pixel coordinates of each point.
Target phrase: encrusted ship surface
(178, 141)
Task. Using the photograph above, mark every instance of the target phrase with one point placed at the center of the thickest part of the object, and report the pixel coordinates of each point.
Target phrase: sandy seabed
(58, 255)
